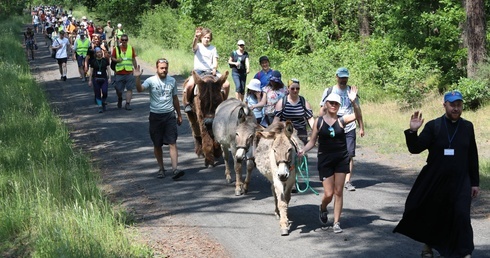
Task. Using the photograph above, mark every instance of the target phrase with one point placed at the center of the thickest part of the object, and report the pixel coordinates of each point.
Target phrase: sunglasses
(294, 88)
(241, 45)
(124, 40)
(332, 131)
(293, 81)
(333, 103)
(163, 60)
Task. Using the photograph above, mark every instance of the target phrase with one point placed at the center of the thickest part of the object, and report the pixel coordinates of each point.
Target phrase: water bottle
(239, 63)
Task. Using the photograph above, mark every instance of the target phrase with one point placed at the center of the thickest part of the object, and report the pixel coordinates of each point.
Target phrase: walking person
(346, 107)
(125, 62)
(295, 108)
(240, 67)
(265, 74)
(61, 45)
(205, 62)
(437, 210)
(164, 104)
(333, 157)
(100, 78)
(254, 96)
(109, 33)
(30, 43)
(273, 92)
(80, 50)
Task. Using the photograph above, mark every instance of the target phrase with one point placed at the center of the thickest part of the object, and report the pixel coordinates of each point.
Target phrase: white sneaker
(336, 228)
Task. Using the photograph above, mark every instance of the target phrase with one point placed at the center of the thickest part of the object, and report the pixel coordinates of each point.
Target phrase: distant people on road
(437, 210)
(61, 45)
(333, 157)
(273, 92)
(346, 107)
(100, 78)
(164, 105)
(126, 60)
(265, 74)
(36, 22)
(240, 67)
(205, 63)
(80, 50)
(254, 96)
(118, 33)
(109, 34)
(295, 108)
(29, 42)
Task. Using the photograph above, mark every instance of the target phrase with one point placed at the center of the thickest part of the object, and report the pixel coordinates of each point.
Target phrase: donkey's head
(245, 132)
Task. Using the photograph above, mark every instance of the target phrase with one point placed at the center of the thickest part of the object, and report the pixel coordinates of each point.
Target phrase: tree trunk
(364, 30)
(475, 33)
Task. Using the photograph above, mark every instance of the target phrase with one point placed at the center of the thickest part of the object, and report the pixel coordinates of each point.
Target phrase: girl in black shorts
(333, 158)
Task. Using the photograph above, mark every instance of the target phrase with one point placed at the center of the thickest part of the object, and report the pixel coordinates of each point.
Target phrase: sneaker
(177, 174)
(127, 107)
(119, 102)
(336, 228)
(64, 78)
(101, 110)
(187, 108)
(104, 106)
(161, 173)
(323, 215)
(349, 187)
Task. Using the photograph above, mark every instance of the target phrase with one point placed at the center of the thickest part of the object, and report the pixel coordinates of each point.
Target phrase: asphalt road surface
(200, 211)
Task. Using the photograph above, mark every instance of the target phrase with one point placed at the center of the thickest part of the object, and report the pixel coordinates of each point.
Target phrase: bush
(475, 92)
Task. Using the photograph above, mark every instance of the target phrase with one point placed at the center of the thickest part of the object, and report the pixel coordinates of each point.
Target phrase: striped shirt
(296, 113)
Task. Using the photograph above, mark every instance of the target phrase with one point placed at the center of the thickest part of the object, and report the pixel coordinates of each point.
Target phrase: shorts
(62, 60)
(163, 128)
(350, 138)
(80, 60)
(330, 163)
(239, 79)
(207, 72)
(125, 81)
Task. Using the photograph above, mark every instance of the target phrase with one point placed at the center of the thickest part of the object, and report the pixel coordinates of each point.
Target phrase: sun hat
(333, 97)
(452, 96)
(254, 84)
(263, 58)
(119, 25)
(84, 17)
(276, 77)
(342, 72)
(240, 42)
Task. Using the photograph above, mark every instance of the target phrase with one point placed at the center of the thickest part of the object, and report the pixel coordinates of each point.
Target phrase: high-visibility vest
(127, 60)
(82, 47)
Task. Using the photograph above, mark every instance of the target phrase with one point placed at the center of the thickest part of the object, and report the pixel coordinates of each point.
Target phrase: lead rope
(302, 169)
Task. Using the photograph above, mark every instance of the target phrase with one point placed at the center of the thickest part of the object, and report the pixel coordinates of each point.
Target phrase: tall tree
(475, 34)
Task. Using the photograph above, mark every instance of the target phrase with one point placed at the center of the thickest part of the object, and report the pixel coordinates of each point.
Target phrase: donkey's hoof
(284, 232)
(228, 180)
(238, 192)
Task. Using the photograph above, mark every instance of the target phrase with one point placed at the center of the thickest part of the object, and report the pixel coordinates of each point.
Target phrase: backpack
(301, 100)
(113, 64)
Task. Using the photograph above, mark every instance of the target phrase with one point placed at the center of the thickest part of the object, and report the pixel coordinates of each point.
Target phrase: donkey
(275, 155)
(208, 96)
(234, 128)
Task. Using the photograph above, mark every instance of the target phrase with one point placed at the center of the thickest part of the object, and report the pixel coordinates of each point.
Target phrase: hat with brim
(276, 77)
(452, 96)
(342, 72)
(333, 97)
(254, 84)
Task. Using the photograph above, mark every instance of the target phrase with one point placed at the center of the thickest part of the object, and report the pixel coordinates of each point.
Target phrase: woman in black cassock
(437, 210)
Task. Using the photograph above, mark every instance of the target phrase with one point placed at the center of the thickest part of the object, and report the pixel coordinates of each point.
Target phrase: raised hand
(352, 93)
(137, 71)
(416, 121)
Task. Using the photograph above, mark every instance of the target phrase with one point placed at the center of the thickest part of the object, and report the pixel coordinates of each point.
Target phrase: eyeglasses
(332, 131)
(333, 103)
(294, 88)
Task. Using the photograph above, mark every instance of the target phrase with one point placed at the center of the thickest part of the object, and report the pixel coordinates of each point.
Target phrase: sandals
(161, 173)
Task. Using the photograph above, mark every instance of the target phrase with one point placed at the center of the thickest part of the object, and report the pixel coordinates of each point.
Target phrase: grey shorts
(125, 81)
(163, 128)
(350, 138)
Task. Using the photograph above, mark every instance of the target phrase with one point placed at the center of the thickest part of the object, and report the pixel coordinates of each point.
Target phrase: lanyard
(450, 139)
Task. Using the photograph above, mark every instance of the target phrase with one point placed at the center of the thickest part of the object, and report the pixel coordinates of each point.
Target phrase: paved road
(202, 205)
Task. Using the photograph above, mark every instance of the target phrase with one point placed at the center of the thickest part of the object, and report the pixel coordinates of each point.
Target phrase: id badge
(99, 73)
(448, 152)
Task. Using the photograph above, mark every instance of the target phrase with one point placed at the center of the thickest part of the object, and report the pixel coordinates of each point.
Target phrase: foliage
(10, 7)
(476, 92)
(126, 12)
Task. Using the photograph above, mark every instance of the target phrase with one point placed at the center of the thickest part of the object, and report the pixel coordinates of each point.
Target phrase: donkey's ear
(289, 129)
(197, 78)
(242, 116)
(223, 78)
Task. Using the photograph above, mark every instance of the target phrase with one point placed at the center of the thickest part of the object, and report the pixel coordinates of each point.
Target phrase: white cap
(84, 17)
(240, 42)
(119, 25)
(333, 97)
(254, 84)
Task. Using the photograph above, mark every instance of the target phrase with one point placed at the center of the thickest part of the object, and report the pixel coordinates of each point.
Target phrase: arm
(135, 64)
(278, 112)
(197, 36)
(262, 102)
(90, 76)
(312, 141)
(473, 165)
(247, 65)
(357, 110)
(311, 120)
(176, 104)
(137, 74)
(230, 61)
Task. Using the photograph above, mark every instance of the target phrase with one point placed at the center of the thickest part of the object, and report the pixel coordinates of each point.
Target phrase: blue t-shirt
(263, 77)
(161, 93)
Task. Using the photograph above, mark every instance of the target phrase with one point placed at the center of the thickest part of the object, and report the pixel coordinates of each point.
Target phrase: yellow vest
(82, 47)
(127, 62)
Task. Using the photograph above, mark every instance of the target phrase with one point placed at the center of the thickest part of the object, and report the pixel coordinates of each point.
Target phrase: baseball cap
(240, 42)
(333, 97)
(97, 49)
(342, 72)
(263, 58)
(84, 17)
(254, 84)
(452, 96)
(276, 77)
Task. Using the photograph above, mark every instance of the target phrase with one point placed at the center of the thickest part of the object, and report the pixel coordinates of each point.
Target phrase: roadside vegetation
(50, 203)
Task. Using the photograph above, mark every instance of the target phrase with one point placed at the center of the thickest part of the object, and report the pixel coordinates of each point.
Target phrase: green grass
(50, 205)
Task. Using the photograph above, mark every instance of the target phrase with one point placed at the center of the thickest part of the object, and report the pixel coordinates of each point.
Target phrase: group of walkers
(449, 186)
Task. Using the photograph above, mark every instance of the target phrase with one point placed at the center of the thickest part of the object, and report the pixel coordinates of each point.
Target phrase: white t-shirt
(161, 93)
(204, 56)
(61, 52)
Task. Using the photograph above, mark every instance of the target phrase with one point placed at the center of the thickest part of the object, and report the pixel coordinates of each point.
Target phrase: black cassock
(437, 210)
